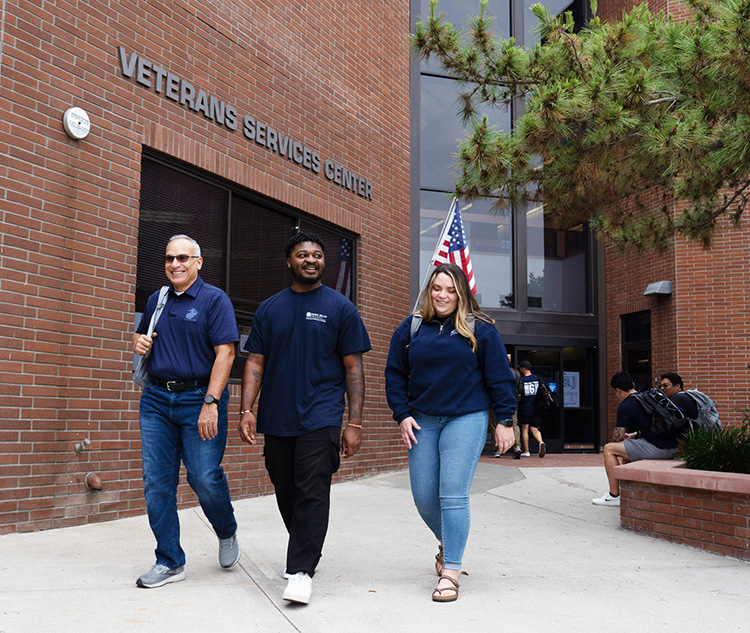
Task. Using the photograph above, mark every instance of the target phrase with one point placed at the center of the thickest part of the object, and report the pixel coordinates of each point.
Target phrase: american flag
(344, 277)
(452, 247)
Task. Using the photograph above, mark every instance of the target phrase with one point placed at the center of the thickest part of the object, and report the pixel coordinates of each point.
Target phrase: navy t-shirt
(634, 417)
(303, 337)
(192, 324)
(528, 387)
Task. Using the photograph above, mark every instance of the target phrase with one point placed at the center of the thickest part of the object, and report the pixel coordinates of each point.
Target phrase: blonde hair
(467, 309)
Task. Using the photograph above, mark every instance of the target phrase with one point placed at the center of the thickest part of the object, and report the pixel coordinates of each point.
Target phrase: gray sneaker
(160, 575)
(229, 551)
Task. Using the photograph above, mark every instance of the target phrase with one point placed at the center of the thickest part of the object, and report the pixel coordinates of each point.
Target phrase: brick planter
(700, 508)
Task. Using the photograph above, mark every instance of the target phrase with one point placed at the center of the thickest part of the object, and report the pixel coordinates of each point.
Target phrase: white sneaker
(299, 588)
(525, 454)
(607, 500)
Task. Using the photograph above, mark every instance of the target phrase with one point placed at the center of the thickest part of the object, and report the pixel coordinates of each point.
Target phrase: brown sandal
(437, 595)
(439, 560)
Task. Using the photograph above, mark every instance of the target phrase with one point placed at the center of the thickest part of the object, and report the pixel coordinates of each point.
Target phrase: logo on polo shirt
(314, 316)
(192, 315)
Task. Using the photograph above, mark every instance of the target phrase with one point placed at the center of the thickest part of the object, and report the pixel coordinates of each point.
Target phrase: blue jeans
(169, 433)
(441, 468)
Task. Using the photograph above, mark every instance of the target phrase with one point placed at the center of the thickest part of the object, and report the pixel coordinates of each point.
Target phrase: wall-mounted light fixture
(663, 288)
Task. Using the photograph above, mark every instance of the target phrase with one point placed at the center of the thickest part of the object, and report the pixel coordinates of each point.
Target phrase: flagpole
(428, 272)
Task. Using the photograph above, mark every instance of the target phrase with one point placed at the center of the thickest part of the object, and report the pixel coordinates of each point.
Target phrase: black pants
(300, 469)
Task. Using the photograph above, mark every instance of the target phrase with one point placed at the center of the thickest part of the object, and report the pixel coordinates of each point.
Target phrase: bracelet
(356, 426)
(244, 411)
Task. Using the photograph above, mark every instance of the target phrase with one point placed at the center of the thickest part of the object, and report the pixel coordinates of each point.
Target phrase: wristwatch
(506, 422)
(209, 399)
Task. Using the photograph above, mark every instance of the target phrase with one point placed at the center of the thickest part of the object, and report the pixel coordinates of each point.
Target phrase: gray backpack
(708, 414)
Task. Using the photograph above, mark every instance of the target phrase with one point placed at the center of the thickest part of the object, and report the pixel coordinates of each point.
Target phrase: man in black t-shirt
(632, 439)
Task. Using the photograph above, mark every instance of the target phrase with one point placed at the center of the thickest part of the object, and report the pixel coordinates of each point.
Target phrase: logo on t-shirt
(530, 388)
(192, 315)
(314, 316)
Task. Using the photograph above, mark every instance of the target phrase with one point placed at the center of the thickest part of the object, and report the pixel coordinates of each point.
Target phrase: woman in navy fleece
(440, 383)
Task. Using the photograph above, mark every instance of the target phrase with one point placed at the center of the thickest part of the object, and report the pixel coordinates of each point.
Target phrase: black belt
(180, 385)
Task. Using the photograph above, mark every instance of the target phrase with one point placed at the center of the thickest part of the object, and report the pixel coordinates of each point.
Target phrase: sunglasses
(180, 258)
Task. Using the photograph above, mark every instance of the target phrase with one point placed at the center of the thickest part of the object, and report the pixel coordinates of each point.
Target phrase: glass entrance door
(569, 373)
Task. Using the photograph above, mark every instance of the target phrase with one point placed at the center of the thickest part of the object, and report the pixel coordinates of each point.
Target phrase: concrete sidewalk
(540, 557)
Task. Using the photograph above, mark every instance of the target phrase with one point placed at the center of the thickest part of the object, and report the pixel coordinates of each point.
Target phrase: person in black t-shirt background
(632, 439)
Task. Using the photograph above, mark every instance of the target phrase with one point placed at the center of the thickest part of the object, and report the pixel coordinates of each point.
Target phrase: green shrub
(726, 450)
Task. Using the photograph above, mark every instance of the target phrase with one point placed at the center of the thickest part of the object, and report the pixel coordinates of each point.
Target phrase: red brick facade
(700, 331)
(332, 80)
(717, 522)
(703, 509)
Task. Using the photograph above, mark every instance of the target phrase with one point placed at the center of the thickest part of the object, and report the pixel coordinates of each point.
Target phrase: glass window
(441, 130)
(556, 7)
(457, 12)
(257, 268)
(557, 262)
(636, 347)
(490, 238)
(242, 239)
(172, 202)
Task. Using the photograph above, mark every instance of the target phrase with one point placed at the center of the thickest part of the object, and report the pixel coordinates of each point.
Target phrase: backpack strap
(416, 321)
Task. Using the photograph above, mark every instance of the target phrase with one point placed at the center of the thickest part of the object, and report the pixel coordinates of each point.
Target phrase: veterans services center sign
(184, 93)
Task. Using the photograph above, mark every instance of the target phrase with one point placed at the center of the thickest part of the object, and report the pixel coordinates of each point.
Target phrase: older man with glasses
(184, 408)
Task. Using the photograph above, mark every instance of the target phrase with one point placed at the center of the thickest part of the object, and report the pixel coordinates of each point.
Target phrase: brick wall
(626, 277)
(332, 79)
(700, 331)
(717, 522)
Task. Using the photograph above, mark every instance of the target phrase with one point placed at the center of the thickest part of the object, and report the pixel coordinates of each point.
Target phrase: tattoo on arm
(252, 377)
(355, 387)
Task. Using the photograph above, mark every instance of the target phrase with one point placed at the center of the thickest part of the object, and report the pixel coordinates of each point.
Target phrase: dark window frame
(235, 196)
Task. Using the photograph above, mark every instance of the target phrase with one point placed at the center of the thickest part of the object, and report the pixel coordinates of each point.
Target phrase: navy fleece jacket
(437, 373)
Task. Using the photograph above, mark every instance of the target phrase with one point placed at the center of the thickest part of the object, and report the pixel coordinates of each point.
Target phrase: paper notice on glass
(571, 389)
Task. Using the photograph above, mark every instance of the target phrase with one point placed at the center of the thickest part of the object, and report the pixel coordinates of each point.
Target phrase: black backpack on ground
(667, 419)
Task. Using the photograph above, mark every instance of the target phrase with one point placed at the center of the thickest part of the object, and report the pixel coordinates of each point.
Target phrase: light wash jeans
(169, 434)
(441, 468)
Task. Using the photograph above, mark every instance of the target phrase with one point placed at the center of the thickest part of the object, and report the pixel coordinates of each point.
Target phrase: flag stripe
(453, 247)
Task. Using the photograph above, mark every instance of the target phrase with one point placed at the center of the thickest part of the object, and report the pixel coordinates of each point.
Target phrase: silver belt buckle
(171, 382)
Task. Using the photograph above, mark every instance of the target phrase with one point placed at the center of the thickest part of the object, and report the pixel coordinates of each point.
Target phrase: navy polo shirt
(303, 337)
(192, 324)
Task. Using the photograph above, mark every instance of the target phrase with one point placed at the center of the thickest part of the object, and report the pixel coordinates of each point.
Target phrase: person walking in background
(184, 408)
(529, 417)
(305, 349)
(441, 380)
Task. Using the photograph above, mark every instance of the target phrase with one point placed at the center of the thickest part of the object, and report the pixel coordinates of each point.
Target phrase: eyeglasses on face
(180, 258)
(665, 385)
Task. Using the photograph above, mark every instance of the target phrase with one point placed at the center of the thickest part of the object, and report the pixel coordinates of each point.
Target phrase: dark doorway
(569, 372)
(636, 348)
